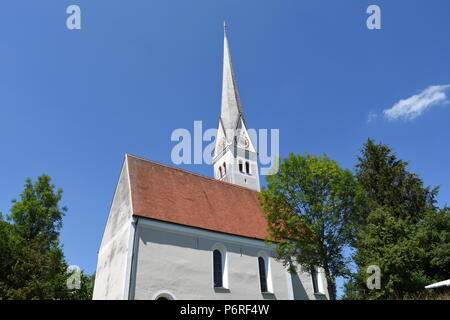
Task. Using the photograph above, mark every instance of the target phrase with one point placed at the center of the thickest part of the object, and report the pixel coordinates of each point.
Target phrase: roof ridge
(190, 172)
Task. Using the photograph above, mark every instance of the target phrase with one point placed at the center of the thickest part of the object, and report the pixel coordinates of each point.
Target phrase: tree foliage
(433, 237)
(400, 228)
(310, 209)
(32, 264)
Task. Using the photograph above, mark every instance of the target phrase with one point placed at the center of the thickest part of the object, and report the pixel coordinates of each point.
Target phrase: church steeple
(235, 157)
(231, 110)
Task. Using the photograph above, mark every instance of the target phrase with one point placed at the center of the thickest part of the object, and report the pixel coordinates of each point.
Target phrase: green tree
(38, 214)
(433, 237)
(8, 245)
(310, 207)
(32, 264)
(394, 207)
(38, 268)
(386, 182)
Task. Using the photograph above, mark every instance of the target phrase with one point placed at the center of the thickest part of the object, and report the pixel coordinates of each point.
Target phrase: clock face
(222, 144)
(243, 141)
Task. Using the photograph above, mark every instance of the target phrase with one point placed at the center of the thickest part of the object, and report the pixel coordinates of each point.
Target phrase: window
(220, 172)
(262, 274)
(265, 278)
(163, 295)
(218, 274)
(315, 281)
(220, 269)
(224, 168)
(247, 167)
(241, 167)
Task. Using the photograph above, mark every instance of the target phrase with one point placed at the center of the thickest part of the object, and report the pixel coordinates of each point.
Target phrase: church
(174, 234)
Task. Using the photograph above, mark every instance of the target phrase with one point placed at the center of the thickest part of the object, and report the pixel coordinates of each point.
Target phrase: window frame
(217, 273)
(224, 269)
(263, 256)
(317, 282)
(262, 275)
(165, 295)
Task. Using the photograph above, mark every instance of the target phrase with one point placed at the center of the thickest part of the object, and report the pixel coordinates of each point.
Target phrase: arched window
(218, 271)
(220, 172)
(163, 295)
(262, 274)
(224, 168)
(317, 280)
(265, 277)
(241, 166)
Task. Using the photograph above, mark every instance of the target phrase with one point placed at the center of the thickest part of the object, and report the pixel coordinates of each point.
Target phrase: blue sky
(73, 102)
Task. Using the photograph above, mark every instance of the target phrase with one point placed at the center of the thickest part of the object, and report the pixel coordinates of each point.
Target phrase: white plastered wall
(177, 261)
(112, 274)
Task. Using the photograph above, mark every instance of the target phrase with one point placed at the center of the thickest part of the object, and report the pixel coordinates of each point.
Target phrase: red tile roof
(173, 195)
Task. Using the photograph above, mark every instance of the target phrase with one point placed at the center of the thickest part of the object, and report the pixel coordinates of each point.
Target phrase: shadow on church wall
(299, 289)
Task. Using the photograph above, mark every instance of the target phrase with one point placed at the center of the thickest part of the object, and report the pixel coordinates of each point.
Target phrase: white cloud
(415, 105)
(371, 117)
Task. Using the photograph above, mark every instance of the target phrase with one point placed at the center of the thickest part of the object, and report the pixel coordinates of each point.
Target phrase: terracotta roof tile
(170, 194)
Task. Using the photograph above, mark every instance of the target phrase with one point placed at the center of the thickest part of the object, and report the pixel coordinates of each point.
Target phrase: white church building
(174, 234)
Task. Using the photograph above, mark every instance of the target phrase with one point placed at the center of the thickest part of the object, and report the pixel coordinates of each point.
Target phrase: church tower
(235, 158)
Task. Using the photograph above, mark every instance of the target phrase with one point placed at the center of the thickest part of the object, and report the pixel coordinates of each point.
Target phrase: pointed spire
(231, 109)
